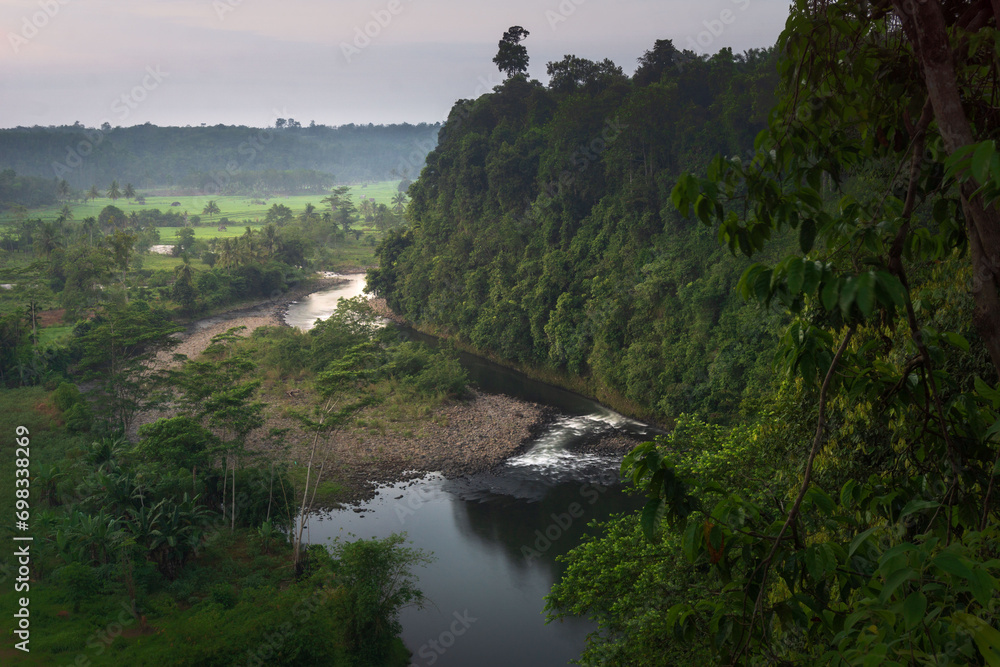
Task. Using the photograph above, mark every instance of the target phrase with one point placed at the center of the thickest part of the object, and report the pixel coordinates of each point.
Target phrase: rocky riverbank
(459, 438)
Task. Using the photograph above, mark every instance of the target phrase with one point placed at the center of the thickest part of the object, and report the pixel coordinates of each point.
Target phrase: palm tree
(366, 208)
(246, 244)
(184, 272)
(133, 220)
(383, 218)
(211, 209)
(64, 190)
(270, 242)
(113, 192)
(227, 255)
(89, 225)
(48, 239)
(66, 212)
(129, 192)
(184, 292)
(308, 213)
(93, 193)
(399, 203)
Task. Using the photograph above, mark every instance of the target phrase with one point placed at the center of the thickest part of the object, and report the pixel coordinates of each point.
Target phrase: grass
(328, 492)
(29, 407)
(156, 262)
(53, 335)
(236, 208)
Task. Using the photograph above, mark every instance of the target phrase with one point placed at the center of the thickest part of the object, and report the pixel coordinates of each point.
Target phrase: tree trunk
(225, 483)
(233, 513)
(926, 29)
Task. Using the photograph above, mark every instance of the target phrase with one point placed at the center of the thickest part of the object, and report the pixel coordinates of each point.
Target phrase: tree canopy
(512, 56)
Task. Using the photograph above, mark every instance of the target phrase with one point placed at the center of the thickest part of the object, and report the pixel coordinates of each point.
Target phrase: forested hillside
(543, 231)
(220, 159)
(849, 516)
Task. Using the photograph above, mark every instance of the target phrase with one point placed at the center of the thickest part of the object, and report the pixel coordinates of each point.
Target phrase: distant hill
(214, 159)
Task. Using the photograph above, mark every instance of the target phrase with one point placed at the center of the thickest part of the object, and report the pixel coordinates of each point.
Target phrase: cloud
(233, 61)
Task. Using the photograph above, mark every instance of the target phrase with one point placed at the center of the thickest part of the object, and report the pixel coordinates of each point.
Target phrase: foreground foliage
(873, 540)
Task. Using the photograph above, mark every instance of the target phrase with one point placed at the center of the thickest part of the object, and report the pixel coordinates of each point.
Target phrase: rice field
(236, 208)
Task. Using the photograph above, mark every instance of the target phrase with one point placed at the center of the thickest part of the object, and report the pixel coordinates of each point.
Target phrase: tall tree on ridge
(512, 56)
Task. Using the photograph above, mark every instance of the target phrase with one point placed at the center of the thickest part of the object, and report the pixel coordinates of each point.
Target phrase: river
(494, 537)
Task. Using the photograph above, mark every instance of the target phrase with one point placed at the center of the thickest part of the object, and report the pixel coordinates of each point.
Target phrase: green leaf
(859, 540)
(847, 492)
(986, 637)
(796, 275)
(807, 235)
(679, 196)
(917, 505)
(831, 292)
(866, 294)
(652, 515)
(914, 608)
(703, 209)
(942, 210)
(952, 564)
(854, 618)
(692, 540)
(982, 586)
(893, 288)
(847, 294)
(986, 391)
(956, 340)
(990, 432)
(820, 499)
(749, 280)
(812, 276)
(981, 158)
(762, 285)
(895, 580)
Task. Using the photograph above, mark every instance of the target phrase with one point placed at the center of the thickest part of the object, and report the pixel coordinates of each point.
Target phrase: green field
(236, 208)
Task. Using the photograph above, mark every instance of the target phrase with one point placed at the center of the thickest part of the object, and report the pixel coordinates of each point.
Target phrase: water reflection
(495, 537)
(495, 559)
(304, 313)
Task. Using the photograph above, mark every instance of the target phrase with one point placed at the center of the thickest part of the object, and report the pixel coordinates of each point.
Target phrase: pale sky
(247, 62)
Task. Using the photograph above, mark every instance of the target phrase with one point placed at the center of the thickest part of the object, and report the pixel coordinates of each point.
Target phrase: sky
(248, 62)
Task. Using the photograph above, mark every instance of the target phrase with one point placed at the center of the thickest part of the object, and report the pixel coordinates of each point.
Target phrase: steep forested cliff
(543, 232)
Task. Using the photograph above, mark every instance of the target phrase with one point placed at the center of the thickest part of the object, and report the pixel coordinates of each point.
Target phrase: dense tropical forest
(812, 308)
(786, 259)
(220, 159)
(543, 231)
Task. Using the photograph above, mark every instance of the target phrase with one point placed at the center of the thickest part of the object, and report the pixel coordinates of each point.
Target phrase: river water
(494, 537)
